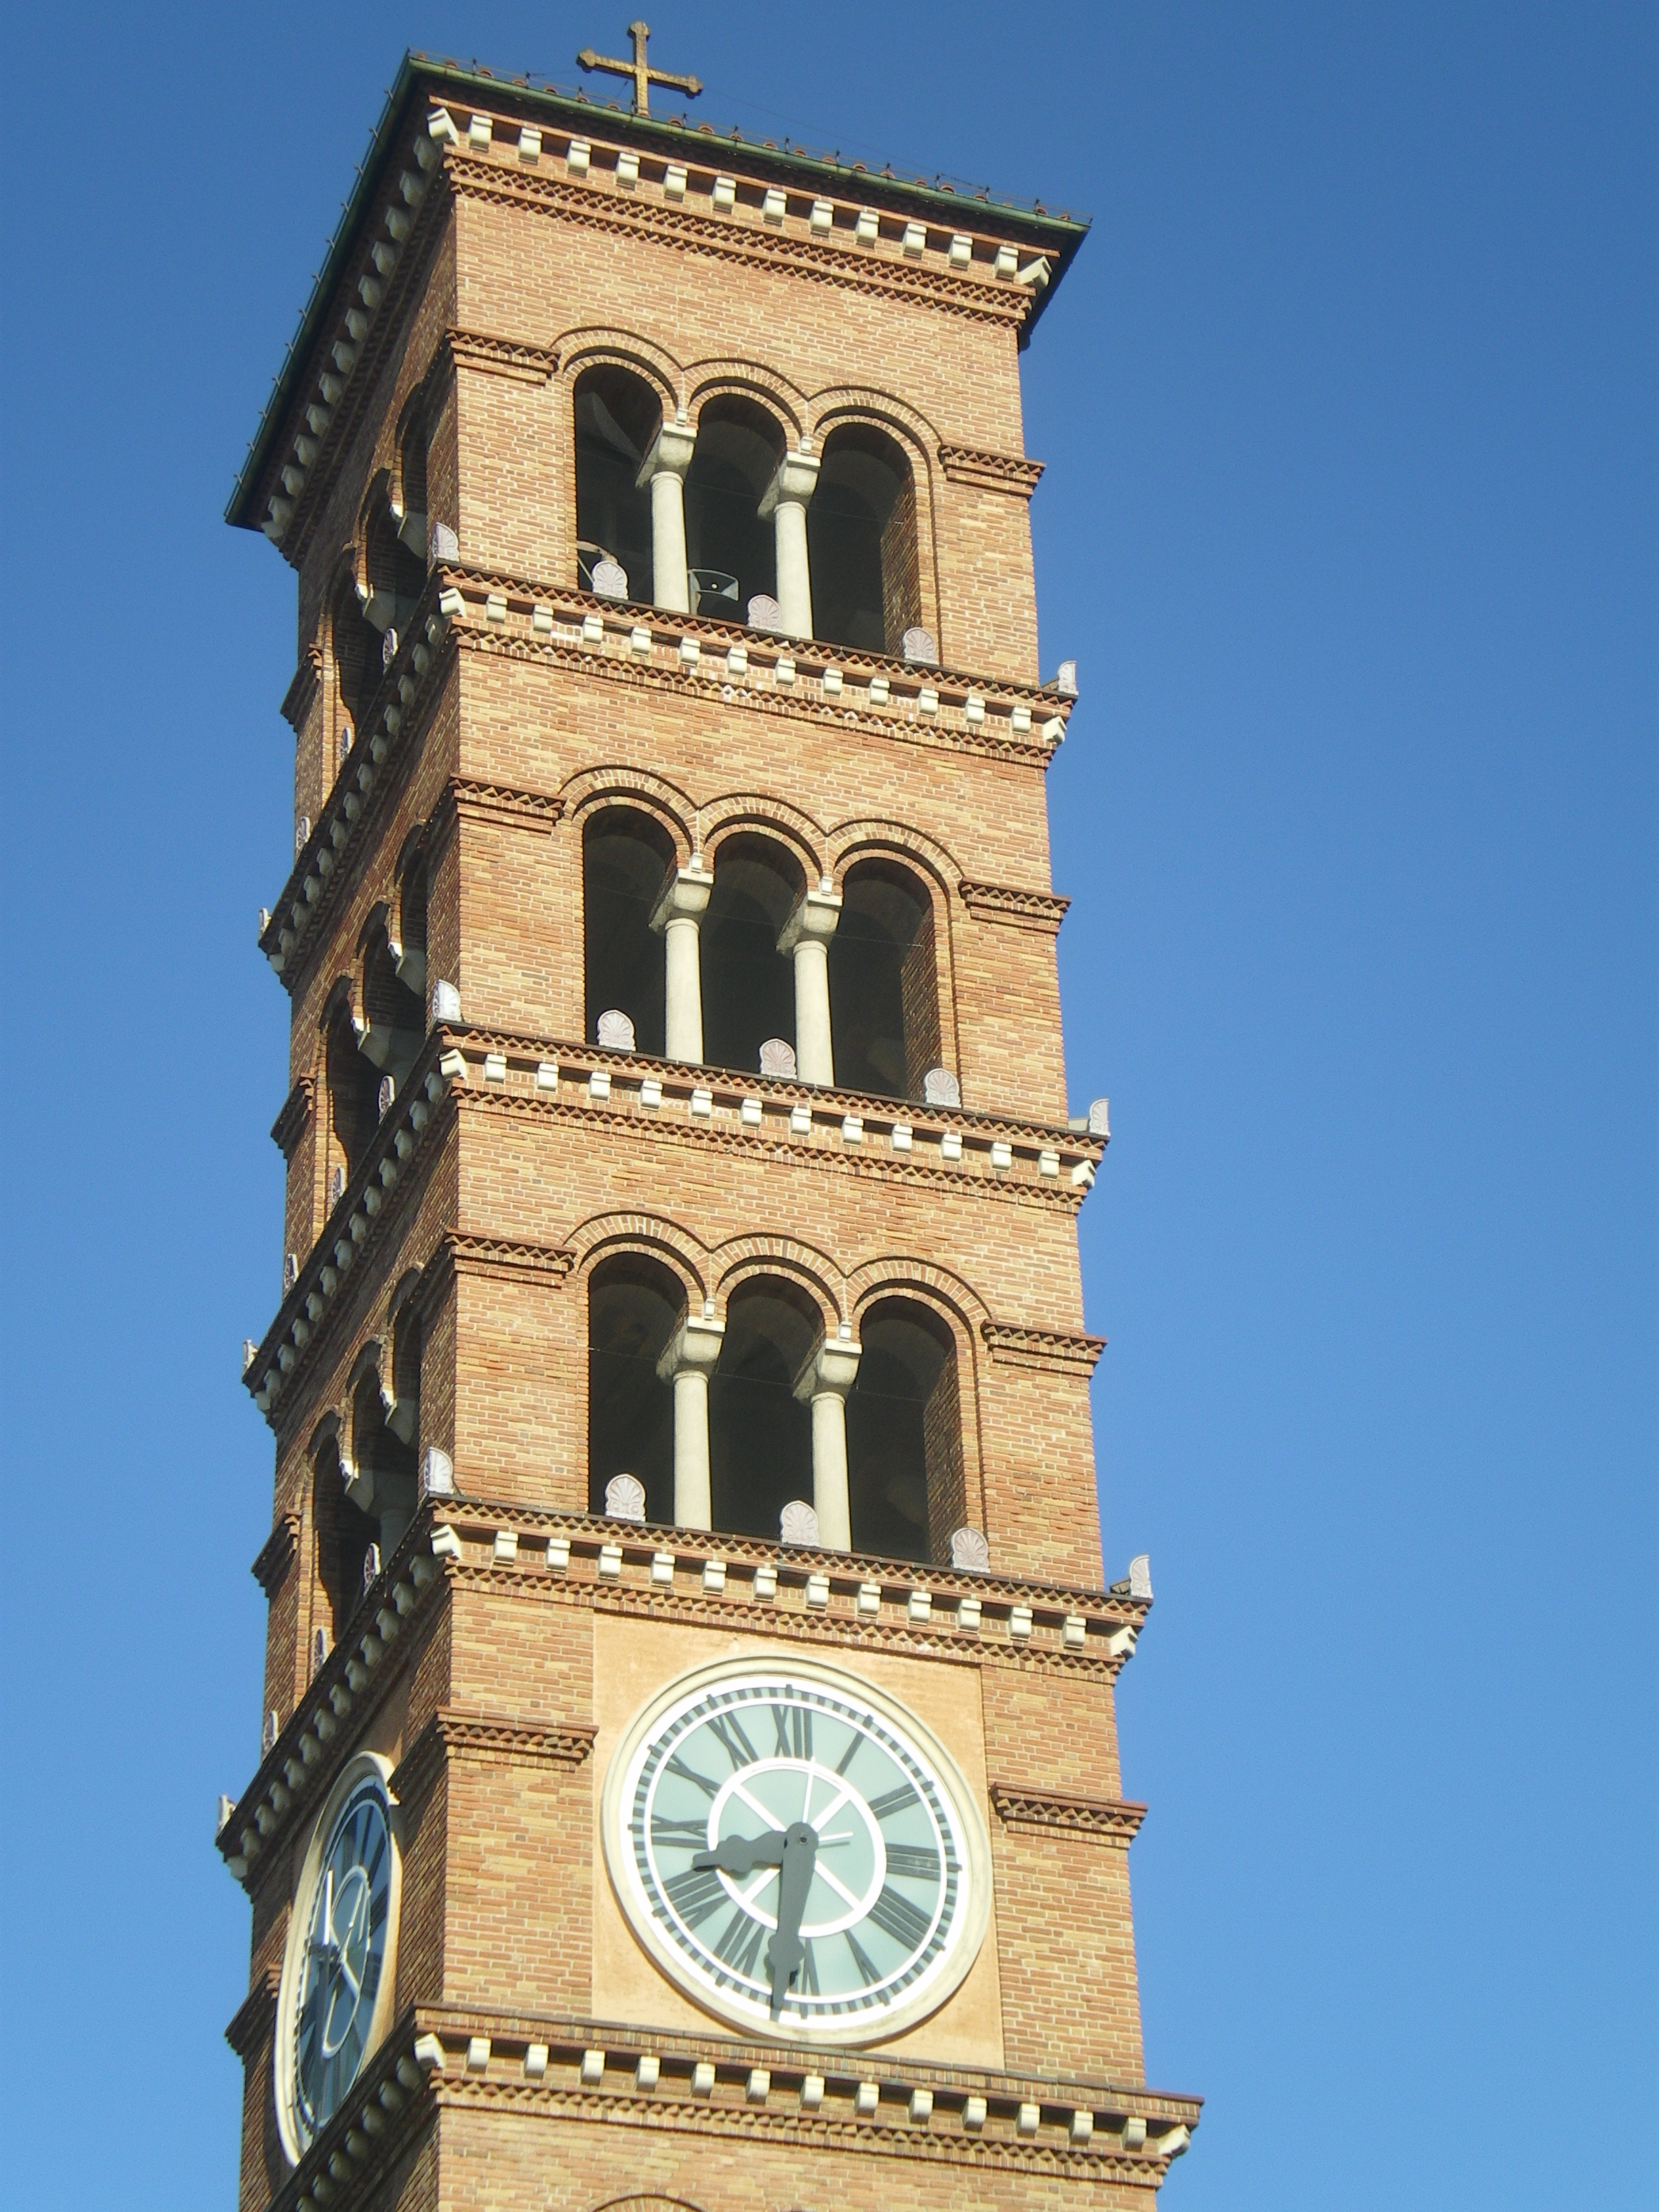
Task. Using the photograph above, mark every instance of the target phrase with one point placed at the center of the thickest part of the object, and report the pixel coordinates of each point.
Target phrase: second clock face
(797, 1852)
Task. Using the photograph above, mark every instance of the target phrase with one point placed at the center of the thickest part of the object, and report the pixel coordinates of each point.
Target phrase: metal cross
(643, 78)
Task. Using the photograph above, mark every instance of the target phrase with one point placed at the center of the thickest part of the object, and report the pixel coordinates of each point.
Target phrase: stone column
(687, 1363)
(664, 470)
(785, 501)
(806, 935)
(824, 1382)
(679, 911)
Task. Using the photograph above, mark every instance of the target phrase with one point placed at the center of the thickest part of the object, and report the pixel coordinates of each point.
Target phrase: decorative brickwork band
(500, 807)
(276, 1554)
(296, 701)
(1098, 1821)
(616, 216)
(250, 2025)
(289, 1126)
(496, 1256)
(1038, 911)
(1041, 1347)
(451, 1733)
(509, 357)
(1009, 472)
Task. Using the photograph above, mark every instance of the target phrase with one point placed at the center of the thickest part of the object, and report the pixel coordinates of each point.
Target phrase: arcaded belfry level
(692, 1773)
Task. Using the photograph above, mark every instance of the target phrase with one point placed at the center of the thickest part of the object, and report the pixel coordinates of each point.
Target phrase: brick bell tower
(689, 1773)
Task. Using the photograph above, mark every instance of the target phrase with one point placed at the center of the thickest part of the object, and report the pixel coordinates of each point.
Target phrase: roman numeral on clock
(733, 1741)
(739, 1941)
(893, 1800)
(689, 1835)
(897, 1917)
(678, 1766)
(695, 1894)
(793, 1724)
(920, 1862)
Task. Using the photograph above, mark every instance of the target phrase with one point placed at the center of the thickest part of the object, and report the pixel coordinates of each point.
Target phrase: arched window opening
(625, 856)
(760, 1435)
(617, 415)
(384, 1484)
(411, 932)
(354, 650)
(862, 541)
(343, 1534)
(396, 1015)
(411, 471)
(883, 995)
(353, 1084)
(396, 580)
(904, 1460)
(634, 1305)
(748, 985)
(732, 553)
(407, 1343)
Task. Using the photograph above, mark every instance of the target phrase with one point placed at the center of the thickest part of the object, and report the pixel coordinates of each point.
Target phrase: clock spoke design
(337, 1971)
(796, 1857)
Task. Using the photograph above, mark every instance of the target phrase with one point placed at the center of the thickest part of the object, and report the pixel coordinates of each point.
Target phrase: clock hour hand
(800, 1852)
(739, 1855)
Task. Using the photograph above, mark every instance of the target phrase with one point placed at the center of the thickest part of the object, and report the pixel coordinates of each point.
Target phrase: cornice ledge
(1010, 1345)
(344, 2157)
(1100, 1820)
(1041, 911)
(289, 1126)
(348, 413)
(297, 699)
(849, 269)
(288, 1347)
(387, 740)
(276, 1554)
(991, 472)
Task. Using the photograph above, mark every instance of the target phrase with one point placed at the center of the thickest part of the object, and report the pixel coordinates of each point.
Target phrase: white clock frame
(361, 1764)
(973, 1916)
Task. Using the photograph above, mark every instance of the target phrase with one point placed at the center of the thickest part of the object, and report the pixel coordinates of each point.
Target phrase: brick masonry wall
(499, 772)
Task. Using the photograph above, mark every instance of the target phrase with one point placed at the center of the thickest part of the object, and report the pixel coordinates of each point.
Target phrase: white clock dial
(337, 1973)
(797, 1852)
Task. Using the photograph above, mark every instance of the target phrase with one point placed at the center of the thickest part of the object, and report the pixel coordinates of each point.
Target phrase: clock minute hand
(800, 1852)
(737, 1855)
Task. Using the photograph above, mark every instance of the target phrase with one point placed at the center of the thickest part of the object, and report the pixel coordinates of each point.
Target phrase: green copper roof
(1056, 236)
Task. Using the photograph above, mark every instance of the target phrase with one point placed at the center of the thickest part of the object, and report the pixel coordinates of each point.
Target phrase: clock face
(797, 1852)
(337, 1977)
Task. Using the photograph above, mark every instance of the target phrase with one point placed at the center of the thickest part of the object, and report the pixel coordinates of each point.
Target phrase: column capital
(792, 485)
(815, 915)
(694, 1348)
(683, 896)
(830, 1369)
(669, 453)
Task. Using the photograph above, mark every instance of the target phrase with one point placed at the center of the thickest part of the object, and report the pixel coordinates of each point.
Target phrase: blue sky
(1347, 406)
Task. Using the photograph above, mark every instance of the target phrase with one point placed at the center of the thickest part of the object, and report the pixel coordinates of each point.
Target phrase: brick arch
(850, 403)
(597, 345)
(746, 380)
(742, 1258)
(896, 1275)
(899, 1273)
(592, 788)
(841, 403)
(602, 1235)
(862, 839)
(723, 817)
(346, 991)
(646, 2204)
(876, 839)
